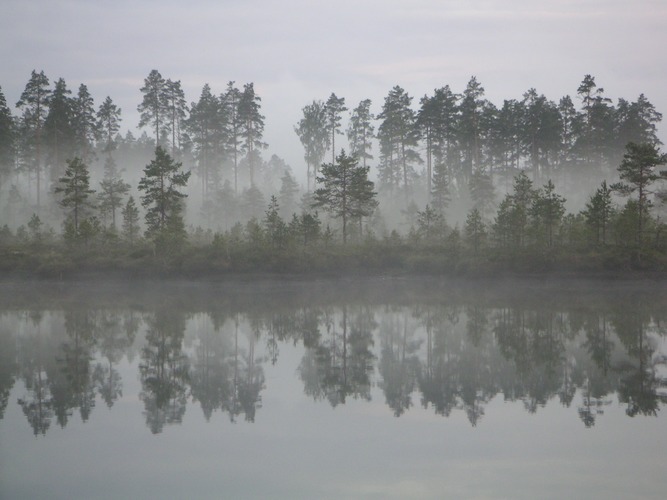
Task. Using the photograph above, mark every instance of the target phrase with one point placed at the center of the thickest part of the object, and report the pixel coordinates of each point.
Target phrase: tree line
(455, 149)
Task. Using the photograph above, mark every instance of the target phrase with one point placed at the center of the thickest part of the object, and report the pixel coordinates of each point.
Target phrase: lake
(369, 388)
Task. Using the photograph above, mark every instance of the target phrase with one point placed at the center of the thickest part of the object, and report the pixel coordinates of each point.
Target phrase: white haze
(299, 50)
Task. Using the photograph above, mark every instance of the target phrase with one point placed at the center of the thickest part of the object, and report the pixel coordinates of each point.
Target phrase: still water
(383, 388)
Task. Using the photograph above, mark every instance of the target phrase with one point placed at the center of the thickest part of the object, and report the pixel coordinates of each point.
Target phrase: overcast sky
(299, 50)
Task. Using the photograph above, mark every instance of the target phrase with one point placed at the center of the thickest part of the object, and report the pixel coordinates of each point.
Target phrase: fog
(575, 176)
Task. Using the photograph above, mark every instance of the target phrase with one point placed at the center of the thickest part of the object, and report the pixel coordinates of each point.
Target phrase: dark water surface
(382, 388)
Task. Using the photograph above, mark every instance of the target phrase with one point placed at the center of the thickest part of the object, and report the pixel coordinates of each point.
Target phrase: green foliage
(431, 226)
(482, 192)
(274, 225)
(598, 213)
(398, 137)
(638, 172)
(162, 199)
(547, 212)
(360, 132)
(112, 191)
(314, 136)
(475, 231)
(153, 107)
(346, 191)
(108, 123)
(76, 193)
(333, 109)
(130, 221)
(251, 126)
(8, 139)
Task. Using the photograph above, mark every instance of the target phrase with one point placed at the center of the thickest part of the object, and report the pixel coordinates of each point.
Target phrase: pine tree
(35, 101)
(361, 132)
(59, 132)
(251, 127)
(470, 129)
(346, 191)
(638, 173)
(253, 203)
(599, 212)
(547, 212)
(540, 131)
(289, 190)
(130, 221)
(430, 224)
(8, 138)
(230, 101)
(108, 123)
(162, 199)
(175, 107)
(440, 194)
(482, 192)
(276, 229)
(475, 230)
(595, 125)
(333, 109)
(112, 191)
(398, 138)
(207, 134)
(76, 193)
(153, 108)
(314, 136)
(85, 123)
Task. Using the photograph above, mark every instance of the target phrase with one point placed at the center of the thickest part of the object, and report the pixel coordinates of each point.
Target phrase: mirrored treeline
(444, 347)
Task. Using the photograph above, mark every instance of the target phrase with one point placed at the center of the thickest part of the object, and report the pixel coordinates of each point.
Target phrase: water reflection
(446, 353)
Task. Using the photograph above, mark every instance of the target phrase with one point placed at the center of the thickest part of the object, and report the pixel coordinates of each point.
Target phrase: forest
(448, 183)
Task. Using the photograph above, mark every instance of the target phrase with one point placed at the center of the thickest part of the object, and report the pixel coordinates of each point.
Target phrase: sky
(299, 50)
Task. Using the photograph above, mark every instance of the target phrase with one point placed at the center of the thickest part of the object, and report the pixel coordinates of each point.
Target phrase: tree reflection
(116, 334)
(454, 354)
(248, 375)
(211, 369)
(398, 362)
(71, 382)
(164, 369)
(639, 383)
(34, 355)
(340, 365)
(8, 364)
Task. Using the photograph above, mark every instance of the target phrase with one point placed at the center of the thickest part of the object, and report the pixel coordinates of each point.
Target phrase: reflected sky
(333, 390)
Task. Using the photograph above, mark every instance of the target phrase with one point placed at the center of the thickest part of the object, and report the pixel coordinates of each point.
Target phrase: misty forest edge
(462, 186)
